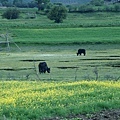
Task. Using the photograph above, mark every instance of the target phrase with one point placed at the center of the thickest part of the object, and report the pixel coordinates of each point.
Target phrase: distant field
(96, 19)
(98, 27)
(31, 100)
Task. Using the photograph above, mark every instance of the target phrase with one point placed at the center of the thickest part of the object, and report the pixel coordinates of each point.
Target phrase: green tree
(4, 2)
(17, 1)
(57, 13)
(117, 8)
(41, 4)
(11, 13)
(108, 0)
(97, 2)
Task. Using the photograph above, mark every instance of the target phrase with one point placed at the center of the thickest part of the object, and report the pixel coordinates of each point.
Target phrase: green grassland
(63, 61)
(38, 100)
(97, 27)
(96, 19)
(68, 35)
(94, 35)
(70, 88)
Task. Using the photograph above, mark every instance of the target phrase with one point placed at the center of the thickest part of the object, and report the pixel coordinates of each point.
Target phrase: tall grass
(38, 100)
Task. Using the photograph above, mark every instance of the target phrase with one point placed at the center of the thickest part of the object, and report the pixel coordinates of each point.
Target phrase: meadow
(35, 100)
(73, 20)
(68, 35)
(76, 84)
(78, 28)
(63, 61)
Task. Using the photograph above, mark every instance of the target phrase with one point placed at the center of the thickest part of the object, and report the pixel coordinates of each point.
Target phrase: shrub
(57, 13)
(11, 13)
(86, 8)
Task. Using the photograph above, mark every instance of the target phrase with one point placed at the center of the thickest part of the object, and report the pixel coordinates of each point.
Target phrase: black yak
(43, 67)
(81, 51)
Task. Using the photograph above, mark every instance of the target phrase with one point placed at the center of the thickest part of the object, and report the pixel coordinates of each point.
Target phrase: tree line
(58, 11)
(41, 4)
(97, 6)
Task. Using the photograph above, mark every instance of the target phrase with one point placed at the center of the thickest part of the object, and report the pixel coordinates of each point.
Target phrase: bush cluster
(57, 13)
(93, 8)
(11, 13)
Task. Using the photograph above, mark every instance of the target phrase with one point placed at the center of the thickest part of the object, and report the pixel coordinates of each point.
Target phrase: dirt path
(103, 115)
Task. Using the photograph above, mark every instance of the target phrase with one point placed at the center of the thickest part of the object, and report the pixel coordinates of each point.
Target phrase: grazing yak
(81, 51)
(43, 67)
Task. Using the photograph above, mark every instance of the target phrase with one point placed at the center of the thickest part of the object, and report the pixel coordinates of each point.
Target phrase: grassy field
(63, 61)
(95, 35)
(98, 27)
(96, 19)
(38, 100)
(70, 88)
